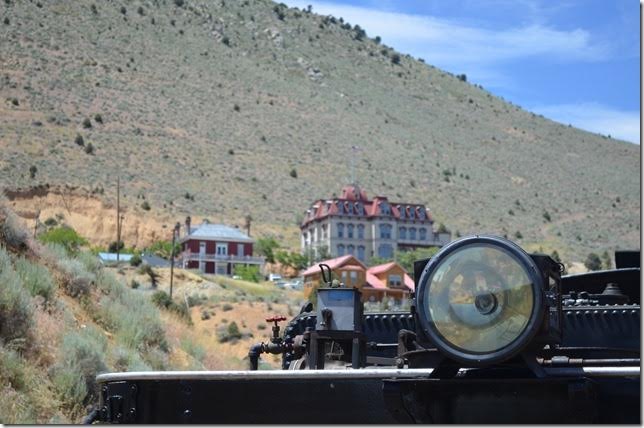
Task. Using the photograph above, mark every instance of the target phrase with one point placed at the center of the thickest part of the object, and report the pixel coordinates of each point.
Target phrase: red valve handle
(276, 318)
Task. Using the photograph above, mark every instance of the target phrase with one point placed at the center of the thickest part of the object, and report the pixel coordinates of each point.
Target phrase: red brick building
(217, 249)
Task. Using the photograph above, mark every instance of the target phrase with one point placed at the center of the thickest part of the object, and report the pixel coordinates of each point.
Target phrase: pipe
(89, 419)
(344, 373)
(253, 355)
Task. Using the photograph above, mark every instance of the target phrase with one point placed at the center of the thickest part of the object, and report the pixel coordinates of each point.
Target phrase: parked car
(294, 285)
(274, 277)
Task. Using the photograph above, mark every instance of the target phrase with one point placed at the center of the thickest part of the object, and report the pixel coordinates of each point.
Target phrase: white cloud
(595, 117)
(450, 44)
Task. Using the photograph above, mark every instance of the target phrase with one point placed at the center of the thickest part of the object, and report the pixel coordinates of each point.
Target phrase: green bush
(36, 278)
(89, 149)
(293, 173)
(16, 312)
(194, 349)
(161, 299)
(593, 262)
(248, 273)
(79, 140)
(136, 260)
(87, 124)
(65, 236)
(226, 307)
(146, 206)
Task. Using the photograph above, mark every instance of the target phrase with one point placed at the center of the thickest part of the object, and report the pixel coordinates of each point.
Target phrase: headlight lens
(479, 297)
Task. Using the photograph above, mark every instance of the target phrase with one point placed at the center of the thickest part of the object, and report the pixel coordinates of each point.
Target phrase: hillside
(64, 319)
(220, 109)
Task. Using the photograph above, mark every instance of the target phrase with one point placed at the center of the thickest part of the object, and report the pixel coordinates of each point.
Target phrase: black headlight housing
(482, 300)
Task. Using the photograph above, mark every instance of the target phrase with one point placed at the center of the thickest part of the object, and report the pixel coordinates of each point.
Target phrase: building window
(340, 249)
(385, 251)
(412, 213)
(350, 249)
(354, 277)
(349, 207)
(412, 233)
(340, 208)
(384, 208)
(359, 208)
(402, 233)
(385, 231)
(350, 231)
(395, 281)
(340, 230)
(421, 213)
(361, 231)
(361, 253)
(222, 249)
(423, 234)
(344, 277)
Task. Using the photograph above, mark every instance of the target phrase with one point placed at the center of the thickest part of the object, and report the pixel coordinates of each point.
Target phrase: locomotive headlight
(480, 300)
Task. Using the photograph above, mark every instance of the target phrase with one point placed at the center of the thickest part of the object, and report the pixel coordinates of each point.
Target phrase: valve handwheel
(276, 319)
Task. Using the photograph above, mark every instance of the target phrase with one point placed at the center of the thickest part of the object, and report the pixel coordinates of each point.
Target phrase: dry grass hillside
(64, 318)
(217, 109)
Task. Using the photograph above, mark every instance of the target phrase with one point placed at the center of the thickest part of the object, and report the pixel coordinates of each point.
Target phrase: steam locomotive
(494, 335)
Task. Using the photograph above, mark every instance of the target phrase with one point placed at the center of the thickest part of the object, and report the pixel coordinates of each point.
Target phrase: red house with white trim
(216, 249)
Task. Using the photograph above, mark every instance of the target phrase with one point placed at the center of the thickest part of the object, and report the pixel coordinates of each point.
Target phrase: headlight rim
(517, 345)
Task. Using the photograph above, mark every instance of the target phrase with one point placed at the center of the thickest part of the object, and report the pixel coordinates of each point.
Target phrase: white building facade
(366, 228)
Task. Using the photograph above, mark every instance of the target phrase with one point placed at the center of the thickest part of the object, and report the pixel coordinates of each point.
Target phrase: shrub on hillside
(80, 361)
(151, 273)
(593, 262)
(146, 206)
(36, 279)
(87, 124)
(136, 260)
(163, 300)
(98, 118)
(15, 303)
(77, 280)
(293, 173)
(65, 236)
(89, 149)
(79, 140)
(12, 233)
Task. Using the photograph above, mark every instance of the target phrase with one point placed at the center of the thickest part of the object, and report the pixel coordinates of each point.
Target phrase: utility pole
(118, 217)
(248, 220)
(175, 231)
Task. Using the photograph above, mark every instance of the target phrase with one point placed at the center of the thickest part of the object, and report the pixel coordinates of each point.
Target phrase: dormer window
(401, 210)
(349, 208)
(340, 208)
(359, 208)
(421, 213)
(412, 213)
(385, 209)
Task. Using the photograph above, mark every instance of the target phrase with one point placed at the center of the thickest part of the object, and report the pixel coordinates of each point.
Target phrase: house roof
(111, 257)
(334, 264)
(222, 232)
(375, 282)
(353, 202)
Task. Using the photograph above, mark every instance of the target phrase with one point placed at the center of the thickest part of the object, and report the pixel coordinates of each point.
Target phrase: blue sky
(576, 62)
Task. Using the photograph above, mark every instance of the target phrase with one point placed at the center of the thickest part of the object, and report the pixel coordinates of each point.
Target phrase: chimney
(187, 225)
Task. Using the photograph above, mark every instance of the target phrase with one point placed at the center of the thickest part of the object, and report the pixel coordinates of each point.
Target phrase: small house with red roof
(356, 225)
(347, 269)
(375, 283)
(390, 280)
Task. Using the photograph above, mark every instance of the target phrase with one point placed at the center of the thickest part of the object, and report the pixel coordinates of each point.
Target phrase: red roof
(333, 264)
(373, 280)
(355, 199)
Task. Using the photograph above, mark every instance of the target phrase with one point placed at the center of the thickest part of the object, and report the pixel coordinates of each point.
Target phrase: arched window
(340, 207)
(423, 234)
(351, 249)
(384, 208)
(340, 230)
(421, 213)
(412, 233)
(361, 252)
(361, 231)
(401, 211)
(340, 249)
(349, 207)
(402, 233)
(412, 213)
(385, 231)
(350, 231)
